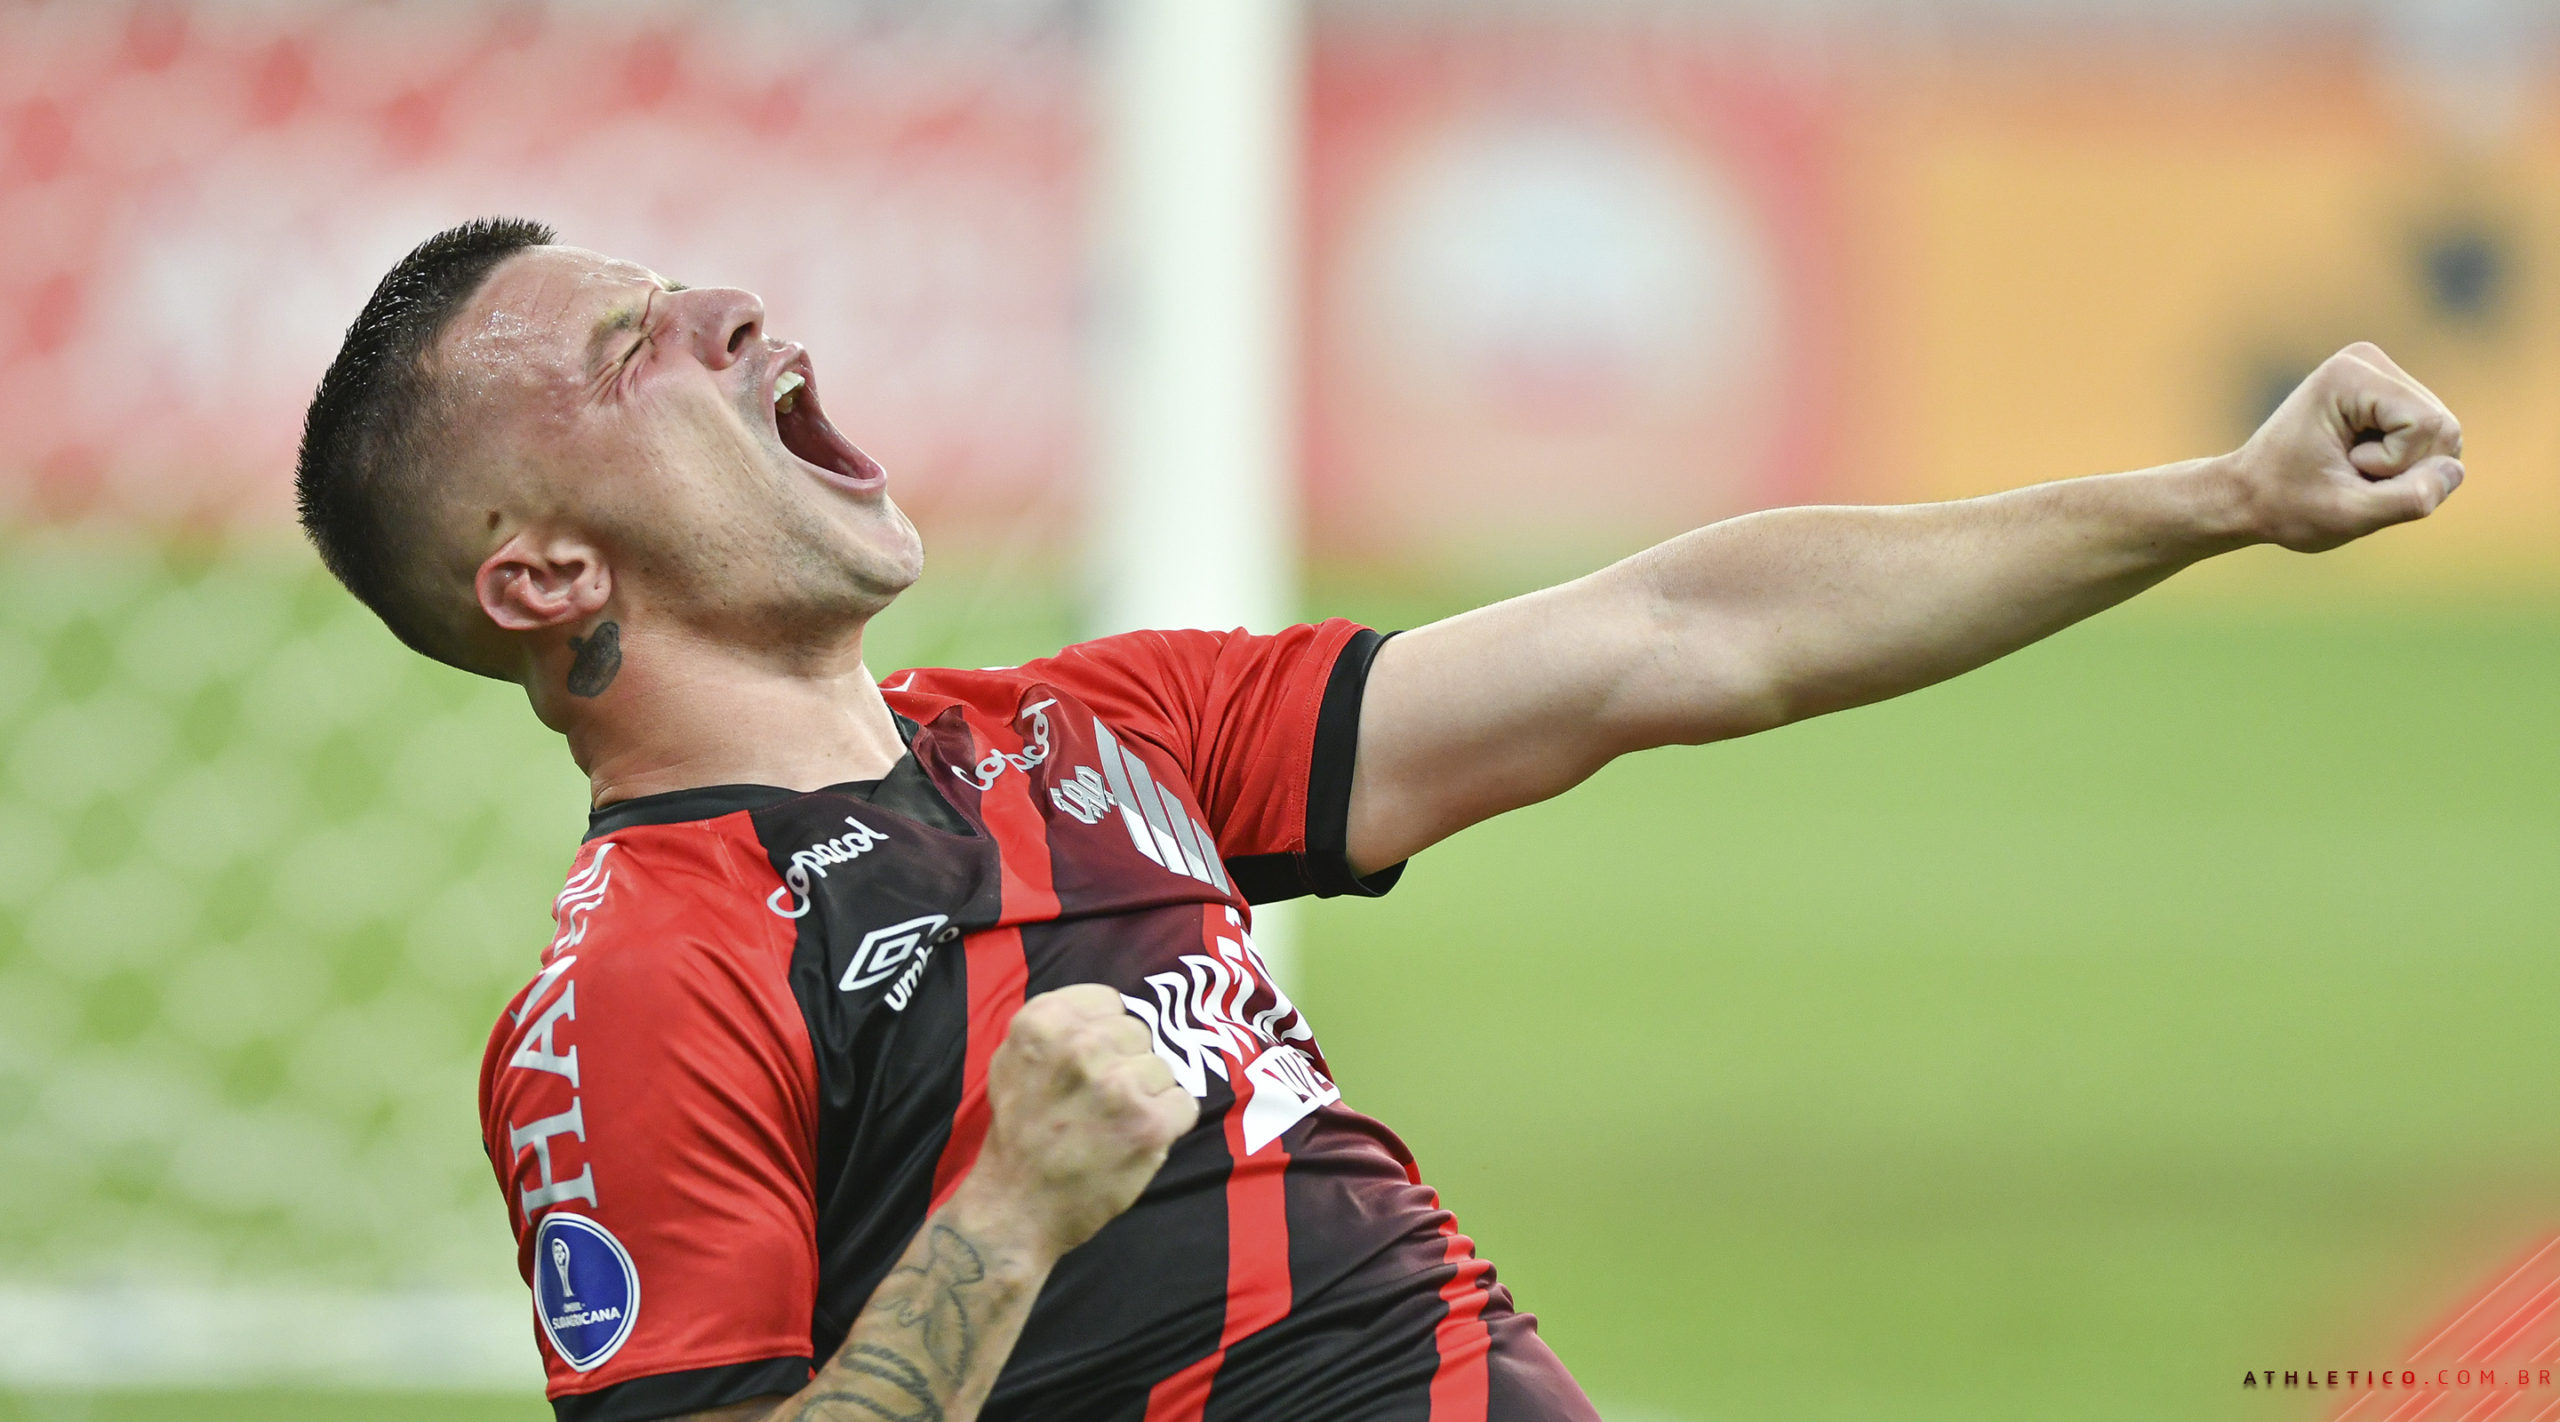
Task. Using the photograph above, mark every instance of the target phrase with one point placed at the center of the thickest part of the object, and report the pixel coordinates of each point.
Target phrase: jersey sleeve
(649, 1105)
(1265, 729)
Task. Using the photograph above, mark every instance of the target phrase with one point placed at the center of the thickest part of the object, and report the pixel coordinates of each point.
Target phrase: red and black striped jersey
(755, 1059)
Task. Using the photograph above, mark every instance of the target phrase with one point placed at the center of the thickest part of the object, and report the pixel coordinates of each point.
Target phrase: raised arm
(1773, 617)
(1081, 1113)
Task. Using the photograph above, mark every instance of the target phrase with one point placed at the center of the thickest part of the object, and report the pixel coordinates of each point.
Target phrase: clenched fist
(1081, 1112)
(2358, 446)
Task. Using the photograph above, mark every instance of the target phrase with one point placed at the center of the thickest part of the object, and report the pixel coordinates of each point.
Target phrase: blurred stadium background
(2172, 1001)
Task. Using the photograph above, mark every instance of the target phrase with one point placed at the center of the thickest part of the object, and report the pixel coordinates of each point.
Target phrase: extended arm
(1082, 1112)
(1777, 616)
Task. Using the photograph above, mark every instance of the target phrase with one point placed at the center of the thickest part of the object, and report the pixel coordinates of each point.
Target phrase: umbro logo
(900, 948)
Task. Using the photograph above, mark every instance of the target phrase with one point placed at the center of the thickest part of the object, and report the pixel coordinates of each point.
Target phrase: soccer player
(792, 1122)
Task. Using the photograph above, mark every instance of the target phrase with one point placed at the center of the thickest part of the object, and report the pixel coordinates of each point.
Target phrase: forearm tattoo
(911, 1352)
(932, 1302)
(599, 656)
(879, 1382)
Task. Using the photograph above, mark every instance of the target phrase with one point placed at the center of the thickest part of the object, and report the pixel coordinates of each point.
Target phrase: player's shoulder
(661, 879)
(1120, 654)
(643, 905)
(1104, 671)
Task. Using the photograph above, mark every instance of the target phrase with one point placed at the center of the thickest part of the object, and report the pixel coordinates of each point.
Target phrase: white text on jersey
(1198, 1023)
(792, 899)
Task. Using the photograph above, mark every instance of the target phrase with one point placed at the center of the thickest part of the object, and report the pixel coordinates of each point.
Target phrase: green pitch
(2172, 1000)
(267, 1405)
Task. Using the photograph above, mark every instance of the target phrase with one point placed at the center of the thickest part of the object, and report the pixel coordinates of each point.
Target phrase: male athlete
(872, 1007)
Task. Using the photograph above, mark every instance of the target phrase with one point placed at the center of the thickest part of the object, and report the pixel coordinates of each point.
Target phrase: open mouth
(801, 423)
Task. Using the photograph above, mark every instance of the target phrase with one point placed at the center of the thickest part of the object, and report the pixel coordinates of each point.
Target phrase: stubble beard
(785, 578)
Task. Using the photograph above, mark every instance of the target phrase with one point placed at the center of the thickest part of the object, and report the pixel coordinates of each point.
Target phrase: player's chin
(881, 548)
(896, 575)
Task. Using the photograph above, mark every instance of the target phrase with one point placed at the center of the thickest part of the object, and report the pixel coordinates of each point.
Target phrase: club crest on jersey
(1083, 796)
(792, 899)
(585, 1288)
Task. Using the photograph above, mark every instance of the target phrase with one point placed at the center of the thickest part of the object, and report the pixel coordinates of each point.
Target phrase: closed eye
(648, 309)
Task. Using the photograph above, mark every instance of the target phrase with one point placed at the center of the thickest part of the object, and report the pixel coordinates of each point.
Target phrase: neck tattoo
(599, 657)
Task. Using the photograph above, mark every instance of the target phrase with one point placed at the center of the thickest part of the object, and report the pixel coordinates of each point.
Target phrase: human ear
(533, 582)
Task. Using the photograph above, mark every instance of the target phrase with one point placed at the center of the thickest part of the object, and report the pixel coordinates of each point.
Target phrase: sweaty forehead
(540, 316)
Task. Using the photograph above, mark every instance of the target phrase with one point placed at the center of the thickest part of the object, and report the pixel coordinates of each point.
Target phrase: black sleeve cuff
(1324, 867)
(675, 1394)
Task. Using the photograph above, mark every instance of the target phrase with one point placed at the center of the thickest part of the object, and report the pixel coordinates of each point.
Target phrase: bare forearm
(1777, 616)
(1745, 625)
(1796, 612)
(1081, 1112)
(937, 1331)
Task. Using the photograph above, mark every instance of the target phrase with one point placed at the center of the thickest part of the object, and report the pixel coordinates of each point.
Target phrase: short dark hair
(369, 440)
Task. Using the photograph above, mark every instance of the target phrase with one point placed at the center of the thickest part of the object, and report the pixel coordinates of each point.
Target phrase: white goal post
(1195, 518)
